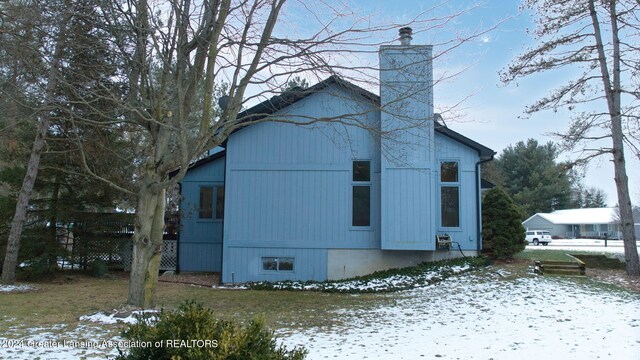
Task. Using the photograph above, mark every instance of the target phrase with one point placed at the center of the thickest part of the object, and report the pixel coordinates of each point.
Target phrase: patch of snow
(486, 317)
(589, 245)
(229, 287)
(608, 215)
(83, 342)
(103, 318)
(16, 288)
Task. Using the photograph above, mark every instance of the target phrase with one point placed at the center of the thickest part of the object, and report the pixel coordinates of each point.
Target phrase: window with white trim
(278, 264)
(449, 194)
(361, 194)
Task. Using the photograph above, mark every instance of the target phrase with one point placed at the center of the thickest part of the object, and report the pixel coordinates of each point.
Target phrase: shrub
(423, 274)
(98, 268)
(38, 253)
(193, 332)
(502, 231)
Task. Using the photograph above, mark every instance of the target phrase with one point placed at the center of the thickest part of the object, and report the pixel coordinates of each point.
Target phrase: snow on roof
(583, 216)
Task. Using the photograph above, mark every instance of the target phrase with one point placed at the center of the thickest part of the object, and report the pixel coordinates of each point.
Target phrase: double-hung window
(361, 193)
(211, 205)
(449, 194)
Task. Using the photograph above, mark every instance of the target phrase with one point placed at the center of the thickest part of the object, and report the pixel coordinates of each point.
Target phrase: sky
(492, 113)
(495, 111)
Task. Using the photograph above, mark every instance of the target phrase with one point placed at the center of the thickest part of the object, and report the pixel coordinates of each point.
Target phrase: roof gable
(277, 103)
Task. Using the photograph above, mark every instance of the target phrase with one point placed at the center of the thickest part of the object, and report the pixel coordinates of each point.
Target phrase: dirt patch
(600, 262)
(200, 279)
(615, 277)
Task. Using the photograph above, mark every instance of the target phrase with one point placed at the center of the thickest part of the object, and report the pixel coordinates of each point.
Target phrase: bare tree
(600, 39)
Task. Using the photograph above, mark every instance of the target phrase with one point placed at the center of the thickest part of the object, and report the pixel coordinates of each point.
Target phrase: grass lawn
(64, 299)
(354, 325)
(557, 255)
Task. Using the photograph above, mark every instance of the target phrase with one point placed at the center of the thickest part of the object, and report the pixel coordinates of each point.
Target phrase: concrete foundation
(348, 263)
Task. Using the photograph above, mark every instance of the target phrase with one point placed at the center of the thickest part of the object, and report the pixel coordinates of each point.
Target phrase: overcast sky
(493, 115)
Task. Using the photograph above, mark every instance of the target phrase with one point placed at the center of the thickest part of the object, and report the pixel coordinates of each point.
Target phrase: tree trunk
(147, 247)
(613, 90)
(20, 215)
(52, 242)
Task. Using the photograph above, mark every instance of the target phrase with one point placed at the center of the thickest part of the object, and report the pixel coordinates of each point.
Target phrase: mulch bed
(199, 279)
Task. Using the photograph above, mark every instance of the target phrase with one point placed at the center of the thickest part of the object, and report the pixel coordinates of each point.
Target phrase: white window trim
(361, 183)
(442, 184)
(277, 271)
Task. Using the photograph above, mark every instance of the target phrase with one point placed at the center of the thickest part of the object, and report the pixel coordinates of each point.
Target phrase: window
(361, 194)
(206, 202)
(277, 263)
(450, 206)
(361, 171)
(449, 194)
(220, 202)
(208, 205)
(449, 171)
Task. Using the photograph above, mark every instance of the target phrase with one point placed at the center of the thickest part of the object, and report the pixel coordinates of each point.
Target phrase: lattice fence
(108, 237)
(169, 255)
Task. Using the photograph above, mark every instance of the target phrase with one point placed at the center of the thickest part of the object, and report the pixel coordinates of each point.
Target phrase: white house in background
(578, 223)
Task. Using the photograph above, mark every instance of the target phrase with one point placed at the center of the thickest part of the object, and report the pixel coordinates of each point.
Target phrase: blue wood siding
(412, 225)
(289, 186)
(200, 246)
(451, 150)
(244, 264)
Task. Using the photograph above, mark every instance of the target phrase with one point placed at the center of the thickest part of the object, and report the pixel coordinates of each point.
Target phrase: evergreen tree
(533, 178)
(502, 231)
(593, 198)
(76, 135)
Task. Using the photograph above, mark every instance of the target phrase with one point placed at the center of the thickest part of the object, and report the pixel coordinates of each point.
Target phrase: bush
(193, 332)
(98, 268)
(423, 274)
(502, 231)
(38, 253)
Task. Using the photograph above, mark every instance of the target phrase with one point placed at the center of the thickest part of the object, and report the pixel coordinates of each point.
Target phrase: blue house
(358, 183)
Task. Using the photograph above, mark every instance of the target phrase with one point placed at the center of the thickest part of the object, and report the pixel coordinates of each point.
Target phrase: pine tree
(502, 231)
(534, 179)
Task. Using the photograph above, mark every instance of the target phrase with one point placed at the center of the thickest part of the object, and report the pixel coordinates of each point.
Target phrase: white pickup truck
(537, 237)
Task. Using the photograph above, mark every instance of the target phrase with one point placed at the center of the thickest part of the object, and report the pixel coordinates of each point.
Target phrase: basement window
(278, 264)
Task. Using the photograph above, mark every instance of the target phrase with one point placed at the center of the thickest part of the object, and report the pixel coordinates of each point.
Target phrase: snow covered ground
(489, 315)
(595, 245)
(474, 317)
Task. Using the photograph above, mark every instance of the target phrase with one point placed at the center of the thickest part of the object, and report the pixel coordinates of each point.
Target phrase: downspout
(478, 200)
(224, 182)
(179, 230)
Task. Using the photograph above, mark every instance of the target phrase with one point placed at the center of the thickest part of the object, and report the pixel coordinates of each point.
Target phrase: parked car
(537, 237)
